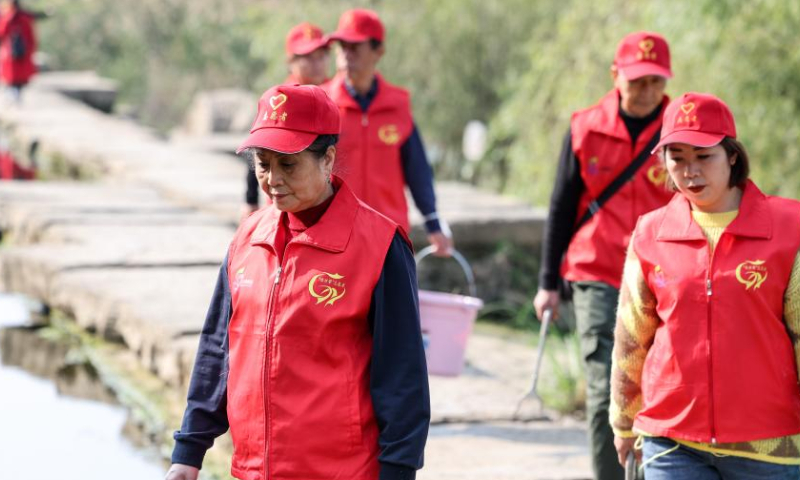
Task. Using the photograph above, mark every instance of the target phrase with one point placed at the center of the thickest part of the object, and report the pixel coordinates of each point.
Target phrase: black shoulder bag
(596, 204)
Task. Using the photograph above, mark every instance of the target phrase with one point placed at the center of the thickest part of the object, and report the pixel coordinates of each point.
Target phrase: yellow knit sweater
(636, 327)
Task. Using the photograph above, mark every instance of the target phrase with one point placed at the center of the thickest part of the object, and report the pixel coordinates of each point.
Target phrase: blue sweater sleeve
(419, 178)
(206, 415)
(398, 374)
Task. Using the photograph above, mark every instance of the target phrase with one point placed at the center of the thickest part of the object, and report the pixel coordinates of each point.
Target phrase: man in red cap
(307, 57)
(606, 179)
(380, 150)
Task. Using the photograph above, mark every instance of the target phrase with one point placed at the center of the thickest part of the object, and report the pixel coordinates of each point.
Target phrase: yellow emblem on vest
(751, 274)
(329, 284)
(389, 134)
(657, 175)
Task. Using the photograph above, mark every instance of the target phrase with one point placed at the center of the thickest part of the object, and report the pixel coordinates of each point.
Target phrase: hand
(625, 445)
(442, 244)
(545, 299)
(247, 210)
(182, 472)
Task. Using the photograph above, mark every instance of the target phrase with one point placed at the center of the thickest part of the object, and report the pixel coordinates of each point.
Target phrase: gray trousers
(595, 306)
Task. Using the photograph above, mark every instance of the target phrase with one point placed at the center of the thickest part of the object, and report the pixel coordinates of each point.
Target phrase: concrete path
(133, 255)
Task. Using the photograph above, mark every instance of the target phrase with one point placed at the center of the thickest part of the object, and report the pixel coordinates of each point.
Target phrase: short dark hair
(318, 148)
(740, 170)
(375, 43)
(321, 144)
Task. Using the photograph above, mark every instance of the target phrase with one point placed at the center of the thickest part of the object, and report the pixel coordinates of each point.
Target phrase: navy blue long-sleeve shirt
(398, 374)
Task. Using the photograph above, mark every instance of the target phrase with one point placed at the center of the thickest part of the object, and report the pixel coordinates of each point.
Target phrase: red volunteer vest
(17, 71)
(603, 147)
(299, 403)
(722, 366)
(368, 152)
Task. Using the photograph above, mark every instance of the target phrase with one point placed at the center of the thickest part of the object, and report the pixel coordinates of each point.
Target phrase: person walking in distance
(381, 150)
(606, 179)
(308, 60)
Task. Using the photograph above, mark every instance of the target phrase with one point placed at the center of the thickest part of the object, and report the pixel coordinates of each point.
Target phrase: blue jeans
(689, 464)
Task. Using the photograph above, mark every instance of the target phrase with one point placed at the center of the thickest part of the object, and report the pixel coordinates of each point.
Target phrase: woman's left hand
(442, 244)
(625, 445)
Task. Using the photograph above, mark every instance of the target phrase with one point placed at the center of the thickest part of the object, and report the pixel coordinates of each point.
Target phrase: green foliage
(746, 52)
(522, 65)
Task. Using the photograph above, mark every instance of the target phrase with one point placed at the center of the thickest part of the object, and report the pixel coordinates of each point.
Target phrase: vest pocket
(354, 417)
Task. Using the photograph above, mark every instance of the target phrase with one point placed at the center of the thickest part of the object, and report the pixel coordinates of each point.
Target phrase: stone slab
(507, 451)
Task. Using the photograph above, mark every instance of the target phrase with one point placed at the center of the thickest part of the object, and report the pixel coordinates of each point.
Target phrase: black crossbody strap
(624, 176)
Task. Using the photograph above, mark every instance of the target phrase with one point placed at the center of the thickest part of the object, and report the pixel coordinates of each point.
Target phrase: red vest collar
(292, 80)
(610, 122)
(753, 220)
(342, 98)
(331, 232)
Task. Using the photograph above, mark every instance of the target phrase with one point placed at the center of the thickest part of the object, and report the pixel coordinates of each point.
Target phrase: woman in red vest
(311, 353)
(705, 363)
(17, 46)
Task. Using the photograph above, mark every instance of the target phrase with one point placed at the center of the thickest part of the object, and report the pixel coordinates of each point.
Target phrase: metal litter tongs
(532, 403)
(630, 467)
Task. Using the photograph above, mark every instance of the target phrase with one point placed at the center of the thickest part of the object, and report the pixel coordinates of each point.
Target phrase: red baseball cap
(358, 25)
(304, 39)
(643, 53)
(291, 117)
(699, 119)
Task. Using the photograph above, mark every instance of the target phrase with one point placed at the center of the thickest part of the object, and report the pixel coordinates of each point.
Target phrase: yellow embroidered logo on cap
(687, 117)
(646, 50)
(349, 20)
(276, 102)
(330, 285)
(389, 134)
(751, 274)
(308, 32)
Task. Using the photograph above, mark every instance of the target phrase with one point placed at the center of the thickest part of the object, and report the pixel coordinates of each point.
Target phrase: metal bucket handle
(473, 291)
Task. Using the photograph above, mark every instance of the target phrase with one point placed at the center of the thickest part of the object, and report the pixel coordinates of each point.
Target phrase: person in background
(706, 354)
(381, 150)
(17, 46)
(311, 352)
(308, 59)
(606, 179)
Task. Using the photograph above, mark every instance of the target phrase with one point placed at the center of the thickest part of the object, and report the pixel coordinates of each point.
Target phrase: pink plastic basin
(447, 321)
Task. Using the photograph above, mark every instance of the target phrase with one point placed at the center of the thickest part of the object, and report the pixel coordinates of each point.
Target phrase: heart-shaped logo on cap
(647, 44)
(687, 107)
(277, 101)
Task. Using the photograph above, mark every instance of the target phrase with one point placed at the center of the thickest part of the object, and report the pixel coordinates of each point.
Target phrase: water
(57, 421)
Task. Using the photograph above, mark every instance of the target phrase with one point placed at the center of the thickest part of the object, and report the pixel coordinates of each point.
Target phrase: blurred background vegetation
(521, 66)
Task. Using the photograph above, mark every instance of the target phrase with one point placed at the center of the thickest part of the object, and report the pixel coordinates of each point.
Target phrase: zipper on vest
(710, 363)
(365, 156)
(268, 367)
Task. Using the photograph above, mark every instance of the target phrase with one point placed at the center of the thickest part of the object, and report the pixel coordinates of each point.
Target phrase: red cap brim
(278, 140)
(349, 36)
(691, 137)
(639, 70)
(310, 46)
